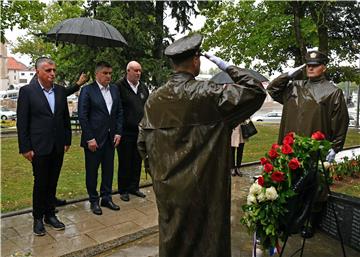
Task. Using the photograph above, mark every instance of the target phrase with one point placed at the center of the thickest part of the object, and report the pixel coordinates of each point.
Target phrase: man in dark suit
(101, 118)
(68, 91)
(133, 95)
(44, 135)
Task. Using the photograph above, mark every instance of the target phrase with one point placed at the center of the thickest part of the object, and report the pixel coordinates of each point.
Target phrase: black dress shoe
(125, 197)
(59, 202)
(54, 222)
(138, 193)
(110, 204)
(95, 208)
(39, 229)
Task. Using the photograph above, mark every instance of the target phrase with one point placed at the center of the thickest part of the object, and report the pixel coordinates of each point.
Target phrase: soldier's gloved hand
(218, 61)
(294, 72)
(330, 157)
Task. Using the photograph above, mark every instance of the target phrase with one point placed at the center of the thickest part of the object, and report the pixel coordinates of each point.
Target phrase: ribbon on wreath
(256, 252)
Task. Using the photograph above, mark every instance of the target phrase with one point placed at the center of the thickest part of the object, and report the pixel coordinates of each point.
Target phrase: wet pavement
(321, 245)
(133, 232)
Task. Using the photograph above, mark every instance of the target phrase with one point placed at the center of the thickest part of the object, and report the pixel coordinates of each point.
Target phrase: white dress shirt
(50, 96)
(134, 87)
(105, 91)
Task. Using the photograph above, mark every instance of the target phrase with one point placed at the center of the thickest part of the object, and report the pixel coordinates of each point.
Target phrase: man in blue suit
(101, 118)
(44, 135)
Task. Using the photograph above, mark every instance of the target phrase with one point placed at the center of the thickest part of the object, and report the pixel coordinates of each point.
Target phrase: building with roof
(12, 72)
(18, 73)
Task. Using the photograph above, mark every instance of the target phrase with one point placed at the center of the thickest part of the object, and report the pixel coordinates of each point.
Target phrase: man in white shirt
(101, 121)
(133, 95)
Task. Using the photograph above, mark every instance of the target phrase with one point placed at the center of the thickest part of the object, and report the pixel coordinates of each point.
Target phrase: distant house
(18, 73)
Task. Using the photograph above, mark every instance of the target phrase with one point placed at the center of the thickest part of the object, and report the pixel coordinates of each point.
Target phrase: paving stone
(113, 232)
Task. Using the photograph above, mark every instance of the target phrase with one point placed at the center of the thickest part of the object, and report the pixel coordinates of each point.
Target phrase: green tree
(274, 32)
(19, 13)
(141, 23)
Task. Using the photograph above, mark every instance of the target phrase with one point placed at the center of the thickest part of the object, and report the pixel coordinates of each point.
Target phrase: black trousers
(105, 157)
(129, 165)
(46, 171)
(238, 151)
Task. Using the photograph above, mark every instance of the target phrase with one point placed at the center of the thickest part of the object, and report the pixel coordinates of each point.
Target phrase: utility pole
(358, 103)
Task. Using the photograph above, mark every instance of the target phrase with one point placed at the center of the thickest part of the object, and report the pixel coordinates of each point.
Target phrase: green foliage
(347, 167)
(20, 14)
(283, 168)
(141, 24)
(264, 31)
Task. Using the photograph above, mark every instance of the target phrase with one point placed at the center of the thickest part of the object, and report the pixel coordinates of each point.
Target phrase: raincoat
(185, 136)
(309, 106)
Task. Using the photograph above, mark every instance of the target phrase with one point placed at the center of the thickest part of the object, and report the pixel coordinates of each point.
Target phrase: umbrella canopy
(86, 31)
(224, 78)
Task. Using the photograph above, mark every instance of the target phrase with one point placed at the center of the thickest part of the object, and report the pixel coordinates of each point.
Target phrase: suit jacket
(133, 106)
(38, 128)
(94, 117)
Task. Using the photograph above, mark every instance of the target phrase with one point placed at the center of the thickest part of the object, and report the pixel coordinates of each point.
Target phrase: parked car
(7, 114)
(273, 116)
(352, 121)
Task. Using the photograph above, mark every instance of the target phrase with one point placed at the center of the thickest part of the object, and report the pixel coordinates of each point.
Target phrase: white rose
(327, 165)
(271, 194)
(261, 197)
(255, 188)
(251, 199)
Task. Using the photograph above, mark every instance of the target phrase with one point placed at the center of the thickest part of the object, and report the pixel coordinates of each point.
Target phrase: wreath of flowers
(282, 166)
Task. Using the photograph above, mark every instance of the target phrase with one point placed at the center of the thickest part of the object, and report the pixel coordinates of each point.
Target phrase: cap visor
(312, 62)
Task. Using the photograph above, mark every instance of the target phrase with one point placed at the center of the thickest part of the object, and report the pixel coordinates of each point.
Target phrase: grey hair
(130, 64)
(41, 60)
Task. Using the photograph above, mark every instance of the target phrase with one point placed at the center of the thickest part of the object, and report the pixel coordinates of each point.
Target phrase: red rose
(277, 176)
(286, 149)
(273, 154)
(268, 167)
(275, 146)
(263, 161)
(318, 135)
(288, 140)
(294, 164)
(290, 134)
(260, 181)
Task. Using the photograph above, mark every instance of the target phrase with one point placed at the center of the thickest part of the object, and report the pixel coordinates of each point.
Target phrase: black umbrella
(224, 78)
(87, 31)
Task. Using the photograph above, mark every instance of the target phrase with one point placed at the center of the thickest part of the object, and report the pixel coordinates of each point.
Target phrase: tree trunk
(301, 46)
(159, 33)
(318, 14)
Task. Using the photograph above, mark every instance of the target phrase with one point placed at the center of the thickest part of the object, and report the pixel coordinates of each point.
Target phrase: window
(22, 74)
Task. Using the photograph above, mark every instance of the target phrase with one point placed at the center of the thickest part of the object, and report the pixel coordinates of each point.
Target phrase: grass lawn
(17, 179)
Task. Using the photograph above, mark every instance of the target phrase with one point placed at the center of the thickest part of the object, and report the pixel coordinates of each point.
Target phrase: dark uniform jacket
(186, 133)
(94, 117)
(133, 106)
(38, 128)
(309, 106)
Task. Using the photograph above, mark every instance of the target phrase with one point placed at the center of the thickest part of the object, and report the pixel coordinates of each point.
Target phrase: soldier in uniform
(185, 137)
(311, 105)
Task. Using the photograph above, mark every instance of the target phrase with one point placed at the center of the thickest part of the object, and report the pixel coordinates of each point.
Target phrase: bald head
(133, 72)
